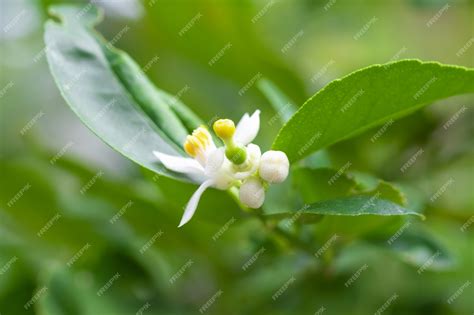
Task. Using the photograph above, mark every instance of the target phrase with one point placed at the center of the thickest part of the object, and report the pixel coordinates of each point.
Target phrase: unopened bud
(274, 166)
(252, 193)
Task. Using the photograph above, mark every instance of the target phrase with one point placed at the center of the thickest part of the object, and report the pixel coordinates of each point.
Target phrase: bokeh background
(59, 247)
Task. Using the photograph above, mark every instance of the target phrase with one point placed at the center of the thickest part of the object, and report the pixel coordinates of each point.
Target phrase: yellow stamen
(189, 146)
(202, 135)
(198, 141)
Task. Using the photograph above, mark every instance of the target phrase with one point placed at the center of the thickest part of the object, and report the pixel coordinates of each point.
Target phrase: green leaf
(359, 205)
(145, 93)
(418, 249)
(283, 106)
(108, 91)
(367, 98)
(388, 191)
(326, 183)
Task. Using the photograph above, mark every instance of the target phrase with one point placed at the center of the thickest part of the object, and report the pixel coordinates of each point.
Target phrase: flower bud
(224, 128)
(252, 193)
(274, 166)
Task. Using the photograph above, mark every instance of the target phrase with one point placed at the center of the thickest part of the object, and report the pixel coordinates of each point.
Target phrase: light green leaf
(108, 91)
(367, 98)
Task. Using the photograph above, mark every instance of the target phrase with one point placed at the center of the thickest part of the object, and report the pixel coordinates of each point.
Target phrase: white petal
(247, 128)
(214, 161)
(193, 202)
(181, 165)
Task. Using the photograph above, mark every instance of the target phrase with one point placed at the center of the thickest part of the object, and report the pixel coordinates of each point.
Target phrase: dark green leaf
(367, 98)
(116, 102)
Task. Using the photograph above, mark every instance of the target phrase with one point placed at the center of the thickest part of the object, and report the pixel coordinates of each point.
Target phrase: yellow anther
(190, 147)
(224, 128)
(202, 135)
(198, 141)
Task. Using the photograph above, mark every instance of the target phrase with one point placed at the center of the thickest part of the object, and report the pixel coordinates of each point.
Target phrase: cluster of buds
(270, 168)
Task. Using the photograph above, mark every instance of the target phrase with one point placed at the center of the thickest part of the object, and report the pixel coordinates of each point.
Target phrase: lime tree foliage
(329, 212)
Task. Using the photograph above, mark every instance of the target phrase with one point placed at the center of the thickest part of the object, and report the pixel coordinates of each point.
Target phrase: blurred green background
(115, 248)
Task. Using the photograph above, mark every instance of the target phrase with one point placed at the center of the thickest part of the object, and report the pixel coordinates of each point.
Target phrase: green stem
(290, 238)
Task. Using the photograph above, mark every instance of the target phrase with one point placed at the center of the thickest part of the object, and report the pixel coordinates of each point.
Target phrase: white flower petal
(193, 202)
(214, 161)
(182, 165)
(247, 128)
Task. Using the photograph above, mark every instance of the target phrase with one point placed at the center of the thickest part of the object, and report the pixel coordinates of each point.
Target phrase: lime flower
(237, 164)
